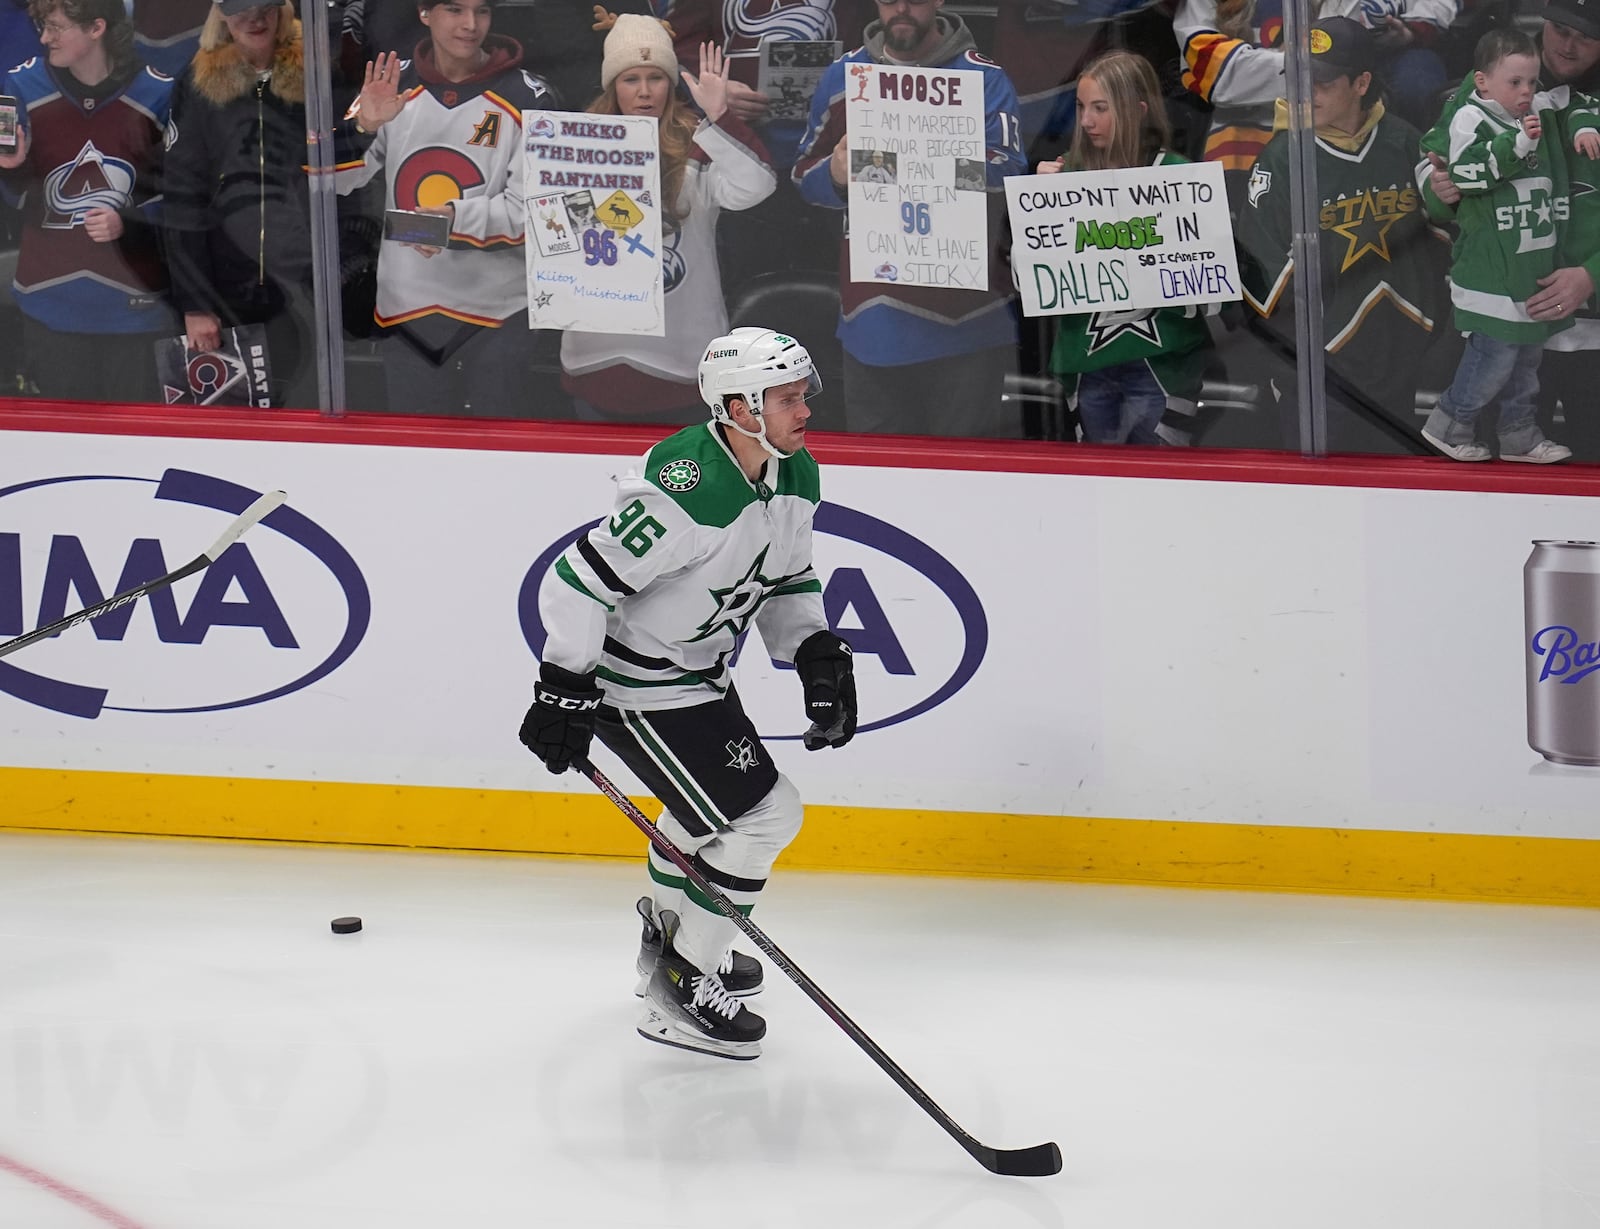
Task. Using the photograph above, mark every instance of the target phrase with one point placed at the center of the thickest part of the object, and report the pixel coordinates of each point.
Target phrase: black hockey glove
(827, 673)
(560, 724)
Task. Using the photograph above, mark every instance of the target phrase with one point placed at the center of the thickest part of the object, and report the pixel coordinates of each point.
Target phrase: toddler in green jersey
(1506, 145)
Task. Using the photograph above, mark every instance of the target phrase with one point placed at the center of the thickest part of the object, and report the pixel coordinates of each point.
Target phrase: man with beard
(1569, 54)
(919, 360)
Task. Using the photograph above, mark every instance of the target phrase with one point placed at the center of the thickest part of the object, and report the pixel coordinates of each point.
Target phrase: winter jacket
(237, 199)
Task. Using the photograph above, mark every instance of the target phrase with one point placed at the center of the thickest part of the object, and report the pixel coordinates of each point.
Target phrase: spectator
(707, 165)
(1507, 151)
(19, 37)
(236, 208)
(922, 360)
(1405, 35)
(1382, 265)
(1569, 54)
(1045, 45)
(1234, 61)
(1122, 369)
(89, 281)
(446, 133)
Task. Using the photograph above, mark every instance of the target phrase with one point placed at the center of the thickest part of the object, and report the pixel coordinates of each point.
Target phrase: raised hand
(380, 99)
(710, 89)
(1532, 126)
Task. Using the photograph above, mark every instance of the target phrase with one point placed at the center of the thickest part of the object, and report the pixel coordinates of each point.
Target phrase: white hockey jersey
(458, 142)
(728, 169)
(654, 598)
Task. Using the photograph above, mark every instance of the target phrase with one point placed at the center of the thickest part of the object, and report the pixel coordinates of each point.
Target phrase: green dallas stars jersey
(655, 597)
(1515, 210)
(1172, 341)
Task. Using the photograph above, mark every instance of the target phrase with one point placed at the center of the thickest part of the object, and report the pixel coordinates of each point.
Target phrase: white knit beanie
(637, 41)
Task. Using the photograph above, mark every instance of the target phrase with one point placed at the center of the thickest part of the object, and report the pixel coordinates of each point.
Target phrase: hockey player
(90, 279)
(448, 138)
(644, 612)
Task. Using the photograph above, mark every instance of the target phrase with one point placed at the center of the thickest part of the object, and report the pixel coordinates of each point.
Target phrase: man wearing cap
(1569, 54)
(1382, 264)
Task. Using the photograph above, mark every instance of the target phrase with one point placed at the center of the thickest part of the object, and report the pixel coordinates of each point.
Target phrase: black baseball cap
(232, 8)
(1341, 47)
(1580, 15)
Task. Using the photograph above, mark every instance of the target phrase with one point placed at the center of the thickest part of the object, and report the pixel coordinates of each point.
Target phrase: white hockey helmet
(747, 362)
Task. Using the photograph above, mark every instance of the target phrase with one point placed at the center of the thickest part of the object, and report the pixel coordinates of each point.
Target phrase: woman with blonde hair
(1124, 370)
(237, 196)
(708, 164)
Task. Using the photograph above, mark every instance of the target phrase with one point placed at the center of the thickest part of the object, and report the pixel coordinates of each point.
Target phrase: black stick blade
(1040, 1161)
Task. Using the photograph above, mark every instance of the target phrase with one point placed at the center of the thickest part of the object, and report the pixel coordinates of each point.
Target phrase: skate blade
(656, 1027)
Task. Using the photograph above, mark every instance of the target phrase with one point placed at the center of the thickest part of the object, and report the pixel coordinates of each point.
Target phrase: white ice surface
(185, 1045)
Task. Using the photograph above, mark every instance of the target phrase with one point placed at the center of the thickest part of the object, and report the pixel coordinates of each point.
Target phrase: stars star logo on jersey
(738, 602)
(1364, 221)
(743, 755)
(680, 475)
(1105, 327)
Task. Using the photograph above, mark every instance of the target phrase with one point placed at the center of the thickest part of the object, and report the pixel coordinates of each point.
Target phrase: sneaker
(741, 975)
(692, 1010)
(1459, 452)
(1545, 452)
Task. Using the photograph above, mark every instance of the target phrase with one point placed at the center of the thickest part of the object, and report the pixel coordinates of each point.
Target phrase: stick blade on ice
(1040, 1161)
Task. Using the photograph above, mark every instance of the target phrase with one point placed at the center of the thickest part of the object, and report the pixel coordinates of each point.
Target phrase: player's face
(643, 91)
(1095, 116)
(66, 42)
(1336, 104)
(909, 24)
(784, 410)
(1568, 54)
(1511, 83)
(458, 28)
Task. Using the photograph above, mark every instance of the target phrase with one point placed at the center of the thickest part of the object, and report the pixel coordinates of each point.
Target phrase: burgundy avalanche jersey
(85, 154)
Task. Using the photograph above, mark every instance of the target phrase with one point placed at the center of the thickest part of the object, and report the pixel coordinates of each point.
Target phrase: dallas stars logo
(1105, 327)
(1365, 220)
(737, 603)
(743, 755)
(680, 475)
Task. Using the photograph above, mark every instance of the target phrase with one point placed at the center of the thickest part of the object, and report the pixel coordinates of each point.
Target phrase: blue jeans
(1489, 367)
(1120, 405)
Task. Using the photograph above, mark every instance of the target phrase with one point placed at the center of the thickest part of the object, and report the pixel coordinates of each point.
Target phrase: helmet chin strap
(760, 436)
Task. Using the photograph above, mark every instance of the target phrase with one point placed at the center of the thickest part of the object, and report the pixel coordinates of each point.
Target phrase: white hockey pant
(737, 859)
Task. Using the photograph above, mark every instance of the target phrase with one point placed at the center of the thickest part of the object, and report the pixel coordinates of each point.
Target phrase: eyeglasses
(910, 4)
(55, 28)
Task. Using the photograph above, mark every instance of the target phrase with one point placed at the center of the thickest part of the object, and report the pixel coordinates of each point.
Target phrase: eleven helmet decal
(746, 363)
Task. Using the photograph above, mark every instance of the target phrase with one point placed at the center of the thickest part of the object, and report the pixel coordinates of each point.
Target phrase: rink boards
(1307, 683)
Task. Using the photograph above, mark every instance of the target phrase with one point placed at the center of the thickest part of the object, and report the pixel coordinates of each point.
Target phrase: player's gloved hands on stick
(827, 672)
(560, 725)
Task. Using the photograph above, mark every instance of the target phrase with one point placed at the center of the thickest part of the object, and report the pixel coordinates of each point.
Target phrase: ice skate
(693, 1011)
(741, 975)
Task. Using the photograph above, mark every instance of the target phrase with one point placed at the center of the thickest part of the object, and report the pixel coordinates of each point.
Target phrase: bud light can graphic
(1561, 606)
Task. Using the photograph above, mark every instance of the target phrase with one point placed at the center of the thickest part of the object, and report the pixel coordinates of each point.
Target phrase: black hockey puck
(346, 925)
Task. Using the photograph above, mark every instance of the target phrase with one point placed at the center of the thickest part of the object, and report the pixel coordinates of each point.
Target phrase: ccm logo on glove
(560, 725)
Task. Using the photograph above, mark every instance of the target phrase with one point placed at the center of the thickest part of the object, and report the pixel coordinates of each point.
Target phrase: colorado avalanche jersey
(459, 143)
(97, 152)
(655, 598)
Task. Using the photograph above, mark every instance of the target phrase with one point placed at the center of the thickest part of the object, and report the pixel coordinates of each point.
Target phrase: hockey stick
(200, 562)
(1037, 1162)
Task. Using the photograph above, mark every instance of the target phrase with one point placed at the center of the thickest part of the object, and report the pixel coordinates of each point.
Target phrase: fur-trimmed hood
(222, 75)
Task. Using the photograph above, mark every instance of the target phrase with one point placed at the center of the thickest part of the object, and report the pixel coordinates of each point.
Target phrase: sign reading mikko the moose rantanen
(1096, 241)
(592, 185)
(918, 177)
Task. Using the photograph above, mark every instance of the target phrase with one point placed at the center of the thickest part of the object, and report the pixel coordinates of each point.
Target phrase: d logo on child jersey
(1535, 215)
(434, 176)
(89, 181)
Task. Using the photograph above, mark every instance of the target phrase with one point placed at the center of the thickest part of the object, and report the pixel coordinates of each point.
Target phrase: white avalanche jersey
(459, 143)
(654, 599)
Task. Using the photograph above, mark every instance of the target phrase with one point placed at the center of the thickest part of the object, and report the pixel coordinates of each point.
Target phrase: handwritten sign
(592, 186)
(918, 215)
(1097, 241)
